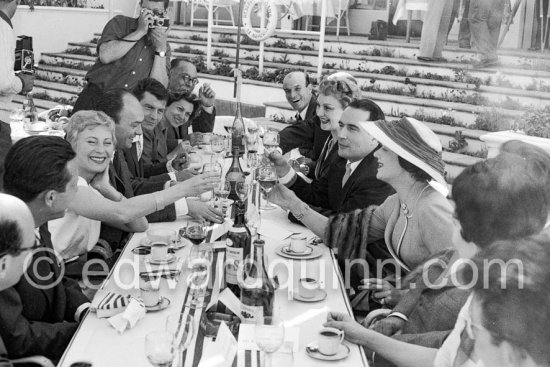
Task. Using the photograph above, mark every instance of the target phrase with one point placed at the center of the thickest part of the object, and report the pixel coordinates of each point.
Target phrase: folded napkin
(134, 312)
(110, 304)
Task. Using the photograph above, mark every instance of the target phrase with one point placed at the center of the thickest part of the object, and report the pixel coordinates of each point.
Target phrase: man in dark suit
(5, 144)
(348, 181)
(306, 133)
(183, 79)
(124, 108)
(40, 314)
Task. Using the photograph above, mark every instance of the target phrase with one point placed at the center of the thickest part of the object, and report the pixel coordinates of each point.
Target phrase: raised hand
(144, 21)
(199, 184)
(283, 197)
(180, 162)
(281, 165)
(207, 95)
(201, 210)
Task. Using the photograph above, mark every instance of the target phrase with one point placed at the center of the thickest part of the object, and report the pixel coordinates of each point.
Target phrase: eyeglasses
(19, 251)
(187, 79)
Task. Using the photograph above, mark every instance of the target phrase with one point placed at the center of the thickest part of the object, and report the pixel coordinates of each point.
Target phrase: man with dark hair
(306, 133)
(350, 181)
(183, 79)
(10, 83)
(152, 159)
(129, 50)
(124, 108)
(40, 314)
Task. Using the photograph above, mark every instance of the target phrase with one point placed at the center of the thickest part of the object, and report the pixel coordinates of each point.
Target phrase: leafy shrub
(536, 123)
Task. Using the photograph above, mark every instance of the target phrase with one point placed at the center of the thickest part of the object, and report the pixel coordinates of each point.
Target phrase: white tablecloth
(98, 343)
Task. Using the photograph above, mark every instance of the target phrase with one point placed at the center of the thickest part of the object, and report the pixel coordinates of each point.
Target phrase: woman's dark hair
(512, 285)
(417, 173)
(189, 97)
(37, 164)
(498, 199)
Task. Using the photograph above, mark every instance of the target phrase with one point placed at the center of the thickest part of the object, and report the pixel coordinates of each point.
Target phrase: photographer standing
(10, 83)
(130, 49)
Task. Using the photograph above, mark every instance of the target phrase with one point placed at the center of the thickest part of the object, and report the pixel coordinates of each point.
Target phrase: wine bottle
(257, 290)
(31, 113)
(234, 174)
(237, 249)
(237, 131)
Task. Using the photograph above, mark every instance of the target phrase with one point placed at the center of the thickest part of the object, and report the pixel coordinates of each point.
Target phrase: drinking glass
(221, 191)
(160, 349)
(253, 220)
(213, 167)
(181, 326)
(271, 140)
(199, 262)
(269, 336)
(243, 190)
(195, 161)
(196, 231)
(267, 178)
(218, 145)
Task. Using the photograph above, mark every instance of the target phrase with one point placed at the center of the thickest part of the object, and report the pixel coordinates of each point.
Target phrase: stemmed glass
(218, 146)
(160, 349)
(213, 167)
(267, 177)
(243, 190)
(195, 161)
(269, 336)
(180, 325)
(253, 220)
(196, 231)
(221, 191)
(271, 140)
(199, 261)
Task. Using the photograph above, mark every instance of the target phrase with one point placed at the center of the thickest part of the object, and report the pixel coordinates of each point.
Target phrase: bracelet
(305, 208)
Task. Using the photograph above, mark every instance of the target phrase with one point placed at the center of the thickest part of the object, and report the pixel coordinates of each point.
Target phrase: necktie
(139, 145)
(298, 117)
(324, 153)
(347, 174)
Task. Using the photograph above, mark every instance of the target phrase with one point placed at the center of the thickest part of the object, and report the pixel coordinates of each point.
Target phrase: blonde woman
(92, 136)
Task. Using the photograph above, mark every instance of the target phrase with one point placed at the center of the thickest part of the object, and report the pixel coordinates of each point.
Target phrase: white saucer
(315, 253)
(169, 259)
(288, 251)
(163, 303)
(343, 352)
(320, 295)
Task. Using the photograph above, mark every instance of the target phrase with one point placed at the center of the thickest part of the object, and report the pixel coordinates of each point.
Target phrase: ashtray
(211, 321)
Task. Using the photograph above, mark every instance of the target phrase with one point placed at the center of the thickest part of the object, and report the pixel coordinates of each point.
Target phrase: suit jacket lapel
(354, 176)
(53, 264)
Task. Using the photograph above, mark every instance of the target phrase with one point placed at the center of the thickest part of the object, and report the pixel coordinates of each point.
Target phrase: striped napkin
(112, 304)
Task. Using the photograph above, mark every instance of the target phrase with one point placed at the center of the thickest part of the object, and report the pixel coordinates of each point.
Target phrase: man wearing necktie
(348, 181)
(306, 133)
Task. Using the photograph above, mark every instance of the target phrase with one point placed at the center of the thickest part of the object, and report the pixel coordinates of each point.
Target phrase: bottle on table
(257, 290)
(238, 248)
(238, 131)
(234, 174)
(31, 113)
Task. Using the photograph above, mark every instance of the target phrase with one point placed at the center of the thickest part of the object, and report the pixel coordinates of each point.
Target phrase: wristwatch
(161, 53)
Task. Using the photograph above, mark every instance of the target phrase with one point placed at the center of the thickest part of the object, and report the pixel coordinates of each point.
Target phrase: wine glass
(196, 231)
(218, 145)
(221, 191)
(269, 336)
(160, 349)
(180, 325)
(253, 220)
(199, 262)
(271, 140)
(267, 177)
(213, 167)
(243, 190)
(195, 161)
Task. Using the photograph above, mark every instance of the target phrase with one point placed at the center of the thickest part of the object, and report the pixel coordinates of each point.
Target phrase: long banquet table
(100, 344)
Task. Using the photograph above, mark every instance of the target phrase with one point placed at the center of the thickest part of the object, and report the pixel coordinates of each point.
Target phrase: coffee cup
(330, 340)
(298, 243)
(159, 251)
(150, 294)
(307, 287)
(161, 235)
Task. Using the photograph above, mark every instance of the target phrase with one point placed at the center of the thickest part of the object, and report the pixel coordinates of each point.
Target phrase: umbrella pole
(238, 47)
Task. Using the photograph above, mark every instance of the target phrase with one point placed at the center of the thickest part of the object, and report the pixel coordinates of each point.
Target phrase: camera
(24, 55)
(159, 20)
